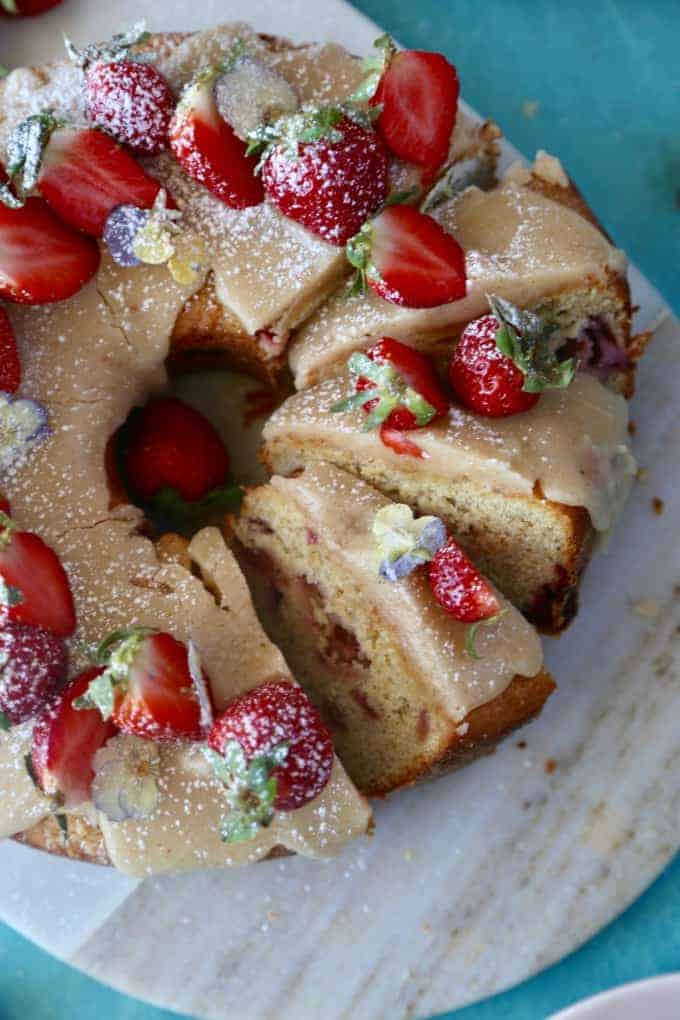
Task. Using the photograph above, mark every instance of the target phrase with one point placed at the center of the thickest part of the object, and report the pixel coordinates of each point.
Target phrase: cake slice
(406, 689)
(527, 495)
(532, 241)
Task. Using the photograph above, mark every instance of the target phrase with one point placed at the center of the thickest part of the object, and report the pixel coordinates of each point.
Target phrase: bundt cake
(386, 665)
(185, 200)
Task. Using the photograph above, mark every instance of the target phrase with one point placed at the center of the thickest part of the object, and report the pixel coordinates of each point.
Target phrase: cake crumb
(657, 506)
(632, 428)
(647, 608)
(550, 766)
(530, 108)
(521, 744)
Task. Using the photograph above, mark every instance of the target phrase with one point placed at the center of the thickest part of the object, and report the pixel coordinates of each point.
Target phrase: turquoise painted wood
(606, 78)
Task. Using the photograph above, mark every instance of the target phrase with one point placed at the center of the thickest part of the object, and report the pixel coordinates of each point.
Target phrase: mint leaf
(525, 338)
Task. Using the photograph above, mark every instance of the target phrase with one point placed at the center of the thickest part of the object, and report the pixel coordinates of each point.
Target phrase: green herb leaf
(524, 337)
(472, 630)
(5, 724)
(250, 788)
(374, 68)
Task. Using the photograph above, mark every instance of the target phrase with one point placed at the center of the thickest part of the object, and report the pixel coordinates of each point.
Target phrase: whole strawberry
(277, 724)
(408, 259)
(26, 8)
(33, 667)
(458, 586)
(129, 99)
(324, 170)
(502, 362)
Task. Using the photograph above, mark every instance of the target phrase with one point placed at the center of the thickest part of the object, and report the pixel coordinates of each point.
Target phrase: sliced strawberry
(208, 148)
(418, 93)
(65, 740)
(131, 101)
(458, 586)
(10, 367)
(85, 174)
(5, 507)
(407, 258)
(37, 588)
(331, 183)
(279, 713)
(41, 259)
(147, 687)
(483, 379)
(396, 440)
(35, 665)
(26, 8)
(170, 445)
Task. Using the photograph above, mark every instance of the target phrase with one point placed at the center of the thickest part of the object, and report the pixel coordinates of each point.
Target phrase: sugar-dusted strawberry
(33, 664)
(458, 586)
(209, 149)
(10, 367)
(323, 169)
(26, 8)
(407, 258)
(129, 99)
(276, 727)
(396, 386)
(503, 361)
(36, 589)
(82, 173)
(65, 740)
(146, 686)
(41, 259)
(175, 465)
(417, 93)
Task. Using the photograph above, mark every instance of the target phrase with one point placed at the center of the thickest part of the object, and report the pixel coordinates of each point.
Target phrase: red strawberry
(170, 445)
(65, 740)
(150, 691)
(331, 183)
(482, 378)
(418, 93)
(407, 391)
(132, 101)
(37, 586)
(407, 258)
(4, 506)
(26, 8)
(10, 367)
(35, 665)
(41, 259)
(401, 444)
(458, 586)
(208, 148)
(278, 713)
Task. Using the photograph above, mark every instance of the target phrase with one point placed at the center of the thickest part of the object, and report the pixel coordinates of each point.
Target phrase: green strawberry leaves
(390, 391)
(250, 788)
(171, 512)
(5, 724)
(524, 337)
(117, 48)
(291, 131)
(25, 151)
(116, 652)
(374, 67)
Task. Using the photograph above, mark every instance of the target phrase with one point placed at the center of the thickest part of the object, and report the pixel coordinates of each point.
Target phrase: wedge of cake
(406, 689)
(532, 241)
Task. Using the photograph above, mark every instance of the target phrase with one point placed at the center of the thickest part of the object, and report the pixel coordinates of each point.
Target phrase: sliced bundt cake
(405, 687)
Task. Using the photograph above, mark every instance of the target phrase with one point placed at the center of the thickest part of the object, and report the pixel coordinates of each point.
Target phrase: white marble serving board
(474, 882)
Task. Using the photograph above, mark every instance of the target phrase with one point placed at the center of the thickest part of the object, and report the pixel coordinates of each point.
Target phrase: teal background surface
(606, 78)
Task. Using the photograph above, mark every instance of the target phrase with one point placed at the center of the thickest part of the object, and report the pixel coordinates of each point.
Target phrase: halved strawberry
(396, 386)
(325, 170)
(82, 173)
(278, 716)
(458, 586)
(209, 149)
(10, 367)
(396, 440)
(37, 590)
(418, 96)
(34, 665)
(65, 740)
(407, 258)
(147, 687)
(41, 259)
